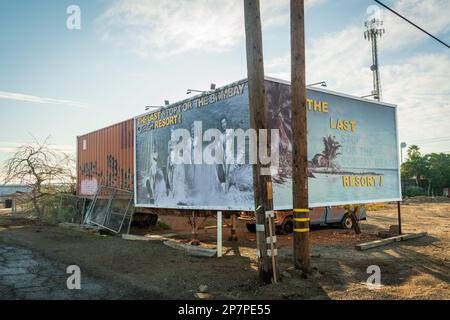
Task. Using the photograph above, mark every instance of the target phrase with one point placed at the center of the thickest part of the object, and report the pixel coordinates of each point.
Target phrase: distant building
(8, 192)
(11, 190)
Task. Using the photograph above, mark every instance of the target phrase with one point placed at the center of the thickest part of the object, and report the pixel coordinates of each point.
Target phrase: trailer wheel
(287, 227)
(347, 222)
(251, 227)
(152, 219)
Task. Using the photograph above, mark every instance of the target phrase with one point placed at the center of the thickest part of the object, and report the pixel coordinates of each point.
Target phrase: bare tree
(43, 169)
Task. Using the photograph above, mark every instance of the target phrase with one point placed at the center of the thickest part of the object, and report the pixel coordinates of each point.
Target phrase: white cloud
(35, 99)
(432, 15)
(421, 88)
(11, 147)
(164, 28)
(417, 82)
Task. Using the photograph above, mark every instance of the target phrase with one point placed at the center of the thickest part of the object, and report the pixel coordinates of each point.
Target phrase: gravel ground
(34, 257)
(25, 274)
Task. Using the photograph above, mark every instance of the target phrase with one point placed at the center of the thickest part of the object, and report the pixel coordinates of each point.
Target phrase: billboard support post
(299, 138)
(354, 215)
(219, 234)
(258, 120)
(194, 240)
(233, 235)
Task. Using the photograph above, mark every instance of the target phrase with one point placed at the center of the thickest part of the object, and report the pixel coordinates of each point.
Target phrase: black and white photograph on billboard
(195, 181)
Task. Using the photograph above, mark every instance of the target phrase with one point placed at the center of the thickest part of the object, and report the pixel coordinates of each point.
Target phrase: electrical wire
(433, 139)
(412, 23)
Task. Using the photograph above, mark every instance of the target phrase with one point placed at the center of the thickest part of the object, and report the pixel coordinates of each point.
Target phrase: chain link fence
(111, 209)
(71, 209)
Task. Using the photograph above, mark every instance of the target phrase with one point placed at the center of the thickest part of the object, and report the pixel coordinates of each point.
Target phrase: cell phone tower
(374, 31)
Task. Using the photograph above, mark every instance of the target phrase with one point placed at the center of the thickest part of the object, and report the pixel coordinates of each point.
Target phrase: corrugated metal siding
(107, 159)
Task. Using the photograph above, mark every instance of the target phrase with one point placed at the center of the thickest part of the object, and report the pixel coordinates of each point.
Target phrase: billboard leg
(233, 235)
(219, 234)
(194, 240)
(354, 215)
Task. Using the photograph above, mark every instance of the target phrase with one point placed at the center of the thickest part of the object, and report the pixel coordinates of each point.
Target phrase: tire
(152, 219)
(347, 222)
(287, 227)
(251, 227)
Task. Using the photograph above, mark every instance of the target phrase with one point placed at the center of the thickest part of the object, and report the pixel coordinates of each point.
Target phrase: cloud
(165, 28)
(11, 147)
(417, 81)
(421, 88)
(431, 15)
(35, 99)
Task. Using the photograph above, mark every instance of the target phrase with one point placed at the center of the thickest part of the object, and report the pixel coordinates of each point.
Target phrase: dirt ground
(113, 268)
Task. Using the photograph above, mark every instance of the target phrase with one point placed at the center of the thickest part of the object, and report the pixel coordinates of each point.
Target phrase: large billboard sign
(352, 151)
(353, 155)
(164, 182)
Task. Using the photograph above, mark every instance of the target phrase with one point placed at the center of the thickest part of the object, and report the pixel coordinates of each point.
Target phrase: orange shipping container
(106, 158)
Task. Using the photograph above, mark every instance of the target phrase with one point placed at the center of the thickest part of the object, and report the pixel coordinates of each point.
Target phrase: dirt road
(25, 274)
(117, 269)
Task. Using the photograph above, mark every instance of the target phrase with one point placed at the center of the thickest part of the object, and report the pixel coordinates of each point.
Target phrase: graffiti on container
(87, 169)
(89, 187)
(115, 175)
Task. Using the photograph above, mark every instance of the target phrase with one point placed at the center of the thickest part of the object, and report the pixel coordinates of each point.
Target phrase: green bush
(414, 191)
(163, 225)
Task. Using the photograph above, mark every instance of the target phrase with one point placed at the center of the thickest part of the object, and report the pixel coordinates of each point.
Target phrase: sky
(62, 82)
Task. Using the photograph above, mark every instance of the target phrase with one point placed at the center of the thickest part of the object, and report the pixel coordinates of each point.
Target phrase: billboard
(161, 182)
(353, 155)
(352, 151)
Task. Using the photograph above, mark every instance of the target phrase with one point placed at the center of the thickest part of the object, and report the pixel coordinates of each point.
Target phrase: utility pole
(374, 31)
(403, 145)
(262, 183)
(299, 138)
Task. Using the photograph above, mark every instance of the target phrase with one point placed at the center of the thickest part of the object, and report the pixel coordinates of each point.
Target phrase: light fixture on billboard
(148, 108)
(189, 91)
(368, 96)
(212, 88)
(321, 83)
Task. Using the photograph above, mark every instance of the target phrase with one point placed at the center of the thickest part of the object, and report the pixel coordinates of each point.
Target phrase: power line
(428, 143)
(412, 23)
(430, 139)
(432, 142)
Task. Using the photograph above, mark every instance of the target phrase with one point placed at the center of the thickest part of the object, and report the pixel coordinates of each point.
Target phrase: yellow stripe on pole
(301, 210)
(302, 219)
(301, 230)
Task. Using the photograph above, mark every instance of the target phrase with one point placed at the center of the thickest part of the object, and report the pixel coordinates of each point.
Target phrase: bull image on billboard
(352, 151)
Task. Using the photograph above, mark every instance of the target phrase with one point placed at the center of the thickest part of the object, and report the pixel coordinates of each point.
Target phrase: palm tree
(415, 165)
(279, 107)
(331, 149)
(328, 155)
(414, 151)
(279, 116)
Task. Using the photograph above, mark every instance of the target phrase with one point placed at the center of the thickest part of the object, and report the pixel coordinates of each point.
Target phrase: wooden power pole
(299, 138)
(258, 120)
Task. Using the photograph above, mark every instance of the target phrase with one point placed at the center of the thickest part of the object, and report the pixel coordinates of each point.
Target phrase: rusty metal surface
(105, 158)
